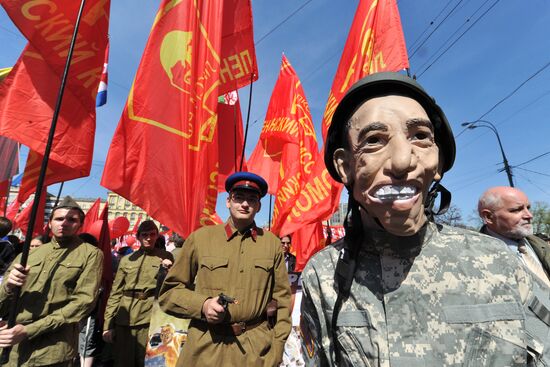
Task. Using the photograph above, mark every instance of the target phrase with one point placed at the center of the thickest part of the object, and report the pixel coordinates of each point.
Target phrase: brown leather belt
(233, 329)
(141, 295)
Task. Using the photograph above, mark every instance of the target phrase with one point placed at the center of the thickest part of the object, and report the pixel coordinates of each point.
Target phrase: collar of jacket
(231, 231)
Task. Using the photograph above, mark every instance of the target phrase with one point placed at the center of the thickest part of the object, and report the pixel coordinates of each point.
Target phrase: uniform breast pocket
(494, 336)
(261, 272)
(68, 273)
(214, 273)
(353, 338)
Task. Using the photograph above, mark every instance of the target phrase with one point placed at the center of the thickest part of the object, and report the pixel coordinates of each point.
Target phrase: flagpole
(247, 120)
(34, 211)
(59, 194)
(235, 135)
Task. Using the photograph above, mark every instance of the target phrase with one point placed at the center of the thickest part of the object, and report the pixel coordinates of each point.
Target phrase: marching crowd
(397, 290)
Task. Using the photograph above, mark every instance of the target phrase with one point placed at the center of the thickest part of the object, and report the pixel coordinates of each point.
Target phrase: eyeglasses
(241, 198)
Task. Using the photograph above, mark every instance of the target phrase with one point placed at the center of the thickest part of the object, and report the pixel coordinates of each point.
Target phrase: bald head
(505, 210)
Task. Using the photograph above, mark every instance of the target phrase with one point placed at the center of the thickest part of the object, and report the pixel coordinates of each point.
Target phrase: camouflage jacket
(444, 297)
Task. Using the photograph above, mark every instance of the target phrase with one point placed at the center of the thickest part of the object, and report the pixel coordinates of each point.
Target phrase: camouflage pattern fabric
(444, 297)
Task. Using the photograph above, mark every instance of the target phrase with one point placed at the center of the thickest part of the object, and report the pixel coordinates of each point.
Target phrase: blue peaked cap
(247, 181)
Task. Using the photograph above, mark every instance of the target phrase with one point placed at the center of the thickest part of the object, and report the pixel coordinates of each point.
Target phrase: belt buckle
(141, 296)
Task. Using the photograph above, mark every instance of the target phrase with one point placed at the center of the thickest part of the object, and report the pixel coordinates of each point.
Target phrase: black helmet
(381, 84)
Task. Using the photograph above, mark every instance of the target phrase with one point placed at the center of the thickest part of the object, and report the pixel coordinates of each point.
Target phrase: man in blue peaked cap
(239, 260)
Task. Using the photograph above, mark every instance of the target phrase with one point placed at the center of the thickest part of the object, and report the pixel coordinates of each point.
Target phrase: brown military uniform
(60, 290)
(249, 267)
(128, 309)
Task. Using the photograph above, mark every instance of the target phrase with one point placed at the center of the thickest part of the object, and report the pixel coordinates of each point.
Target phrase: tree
(541, 217)
(452, 217)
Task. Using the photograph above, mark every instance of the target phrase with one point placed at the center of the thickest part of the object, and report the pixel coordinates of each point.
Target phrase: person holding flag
(231, 280)
(59, 288)
(399, 289)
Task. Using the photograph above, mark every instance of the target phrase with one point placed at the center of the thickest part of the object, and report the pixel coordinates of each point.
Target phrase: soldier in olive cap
(400, 290)
(59, 287)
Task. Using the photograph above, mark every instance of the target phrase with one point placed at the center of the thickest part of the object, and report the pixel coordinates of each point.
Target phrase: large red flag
(307, 241)
(164, 153)
(12, 210)
(29, 93)
(287, 147)
(55, 172)
(91, 216)
(375, 44)
(22, 220)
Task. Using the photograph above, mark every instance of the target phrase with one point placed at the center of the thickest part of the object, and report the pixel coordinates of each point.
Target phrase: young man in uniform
(399, 290)
(128, 310)
(58, 289)
(244, 262)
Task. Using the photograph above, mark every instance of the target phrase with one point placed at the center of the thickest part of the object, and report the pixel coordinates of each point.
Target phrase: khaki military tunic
(128, 309)
(60, 290)
(249, 267)
(444, 297)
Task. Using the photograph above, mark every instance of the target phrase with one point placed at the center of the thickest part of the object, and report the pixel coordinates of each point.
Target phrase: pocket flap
(466, 314)
(265, 264)
(352, 318)
(212, 262)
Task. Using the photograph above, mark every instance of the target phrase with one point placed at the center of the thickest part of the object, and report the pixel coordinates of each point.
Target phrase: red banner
(91, 217)
(22, 220)
(375, 43)
(28, 94)
(9, 158)
(306, 242)
(288, 146)
(238, 66)
(54, 173)
(164, 154)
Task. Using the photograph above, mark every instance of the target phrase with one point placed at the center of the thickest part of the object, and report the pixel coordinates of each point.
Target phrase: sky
(480, 59)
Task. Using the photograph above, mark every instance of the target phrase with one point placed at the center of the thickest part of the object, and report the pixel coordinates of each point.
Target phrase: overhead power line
(509, 94)
(450, 38)
(459, 37)
(427, 27)
(436, 28)
(535, 172)
(531, 160)
(282, 22)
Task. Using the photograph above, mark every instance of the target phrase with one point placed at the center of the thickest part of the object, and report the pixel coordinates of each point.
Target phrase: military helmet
(383, 84)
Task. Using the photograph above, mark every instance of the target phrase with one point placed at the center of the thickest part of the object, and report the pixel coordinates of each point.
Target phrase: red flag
(238, 66)
(13, 209)
(136, 225)
(9, 159)
(22, 220)
(287, 146)
(230, 138)
(4, 187)
(105, 246)
(307, 241)
(164, 153)
(54, 173)
(375, 43)
(29, 93)
(91, 216)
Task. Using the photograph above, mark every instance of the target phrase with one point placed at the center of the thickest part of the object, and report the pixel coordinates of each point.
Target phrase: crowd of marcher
(398, 289)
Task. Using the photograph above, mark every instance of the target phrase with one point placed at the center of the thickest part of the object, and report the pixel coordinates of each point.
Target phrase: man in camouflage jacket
(400, 290)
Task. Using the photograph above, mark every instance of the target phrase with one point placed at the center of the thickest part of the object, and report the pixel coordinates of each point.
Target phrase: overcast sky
(507, 43)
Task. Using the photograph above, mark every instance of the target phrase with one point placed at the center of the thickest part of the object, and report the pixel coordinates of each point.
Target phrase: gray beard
(519, 232)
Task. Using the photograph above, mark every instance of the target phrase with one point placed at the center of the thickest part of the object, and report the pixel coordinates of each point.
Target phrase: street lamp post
(489, 125)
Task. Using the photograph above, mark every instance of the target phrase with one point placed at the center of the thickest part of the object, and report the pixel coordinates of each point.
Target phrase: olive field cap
(384, 84)
(246, 181)
(68, 203)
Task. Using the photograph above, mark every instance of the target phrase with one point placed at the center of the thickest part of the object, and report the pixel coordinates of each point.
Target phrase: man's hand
(17, 277)
(10, 337)
(213, 311)
(167, 263)
(109, 336)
